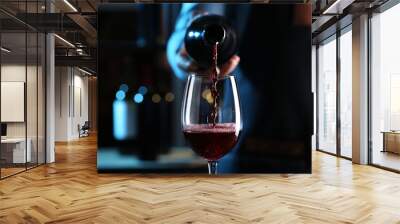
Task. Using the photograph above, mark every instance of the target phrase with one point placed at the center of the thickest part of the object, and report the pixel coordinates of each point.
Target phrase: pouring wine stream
(214, 77)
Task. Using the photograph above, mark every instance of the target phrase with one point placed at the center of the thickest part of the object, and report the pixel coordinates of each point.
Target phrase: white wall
(80, 84)
(33, 126)
(62, 81)
(16, 72)
(71, 102)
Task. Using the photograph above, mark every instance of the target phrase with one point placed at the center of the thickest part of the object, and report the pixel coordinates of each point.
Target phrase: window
(313, 89)
(327, 96)
(346, 93)
(385, 88)
(22, 101)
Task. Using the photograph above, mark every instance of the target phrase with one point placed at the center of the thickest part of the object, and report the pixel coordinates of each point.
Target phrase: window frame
(334, 37)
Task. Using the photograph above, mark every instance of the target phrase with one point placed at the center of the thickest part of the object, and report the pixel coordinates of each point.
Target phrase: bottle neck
(214, 34)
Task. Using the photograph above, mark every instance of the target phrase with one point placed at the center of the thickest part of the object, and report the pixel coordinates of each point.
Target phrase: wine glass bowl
(211, 119)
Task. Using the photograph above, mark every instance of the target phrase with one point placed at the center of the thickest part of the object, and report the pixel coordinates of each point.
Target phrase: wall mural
(148, 51)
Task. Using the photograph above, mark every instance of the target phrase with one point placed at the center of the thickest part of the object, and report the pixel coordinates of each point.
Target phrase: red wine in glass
(211, 138)
(214, 136)
(211, 141)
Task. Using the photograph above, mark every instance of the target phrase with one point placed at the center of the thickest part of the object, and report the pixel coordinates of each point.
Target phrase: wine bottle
(202, 35)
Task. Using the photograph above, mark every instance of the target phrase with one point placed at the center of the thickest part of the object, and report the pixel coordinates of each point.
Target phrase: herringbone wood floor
(71, 191)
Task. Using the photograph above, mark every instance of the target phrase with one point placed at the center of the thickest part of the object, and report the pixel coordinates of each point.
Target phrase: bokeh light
(138, 98)
(206, 94)
(120, 95)
(124, 87)
(169, 97)
(143, 90)
(156, 98)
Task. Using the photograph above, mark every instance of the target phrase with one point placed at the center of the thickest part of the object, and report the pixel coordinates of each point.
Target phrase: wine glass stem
(212, 167)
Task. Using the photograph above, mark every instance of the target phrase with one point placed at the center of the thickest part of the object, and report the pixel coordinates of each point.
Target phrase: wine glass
(211, 119)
